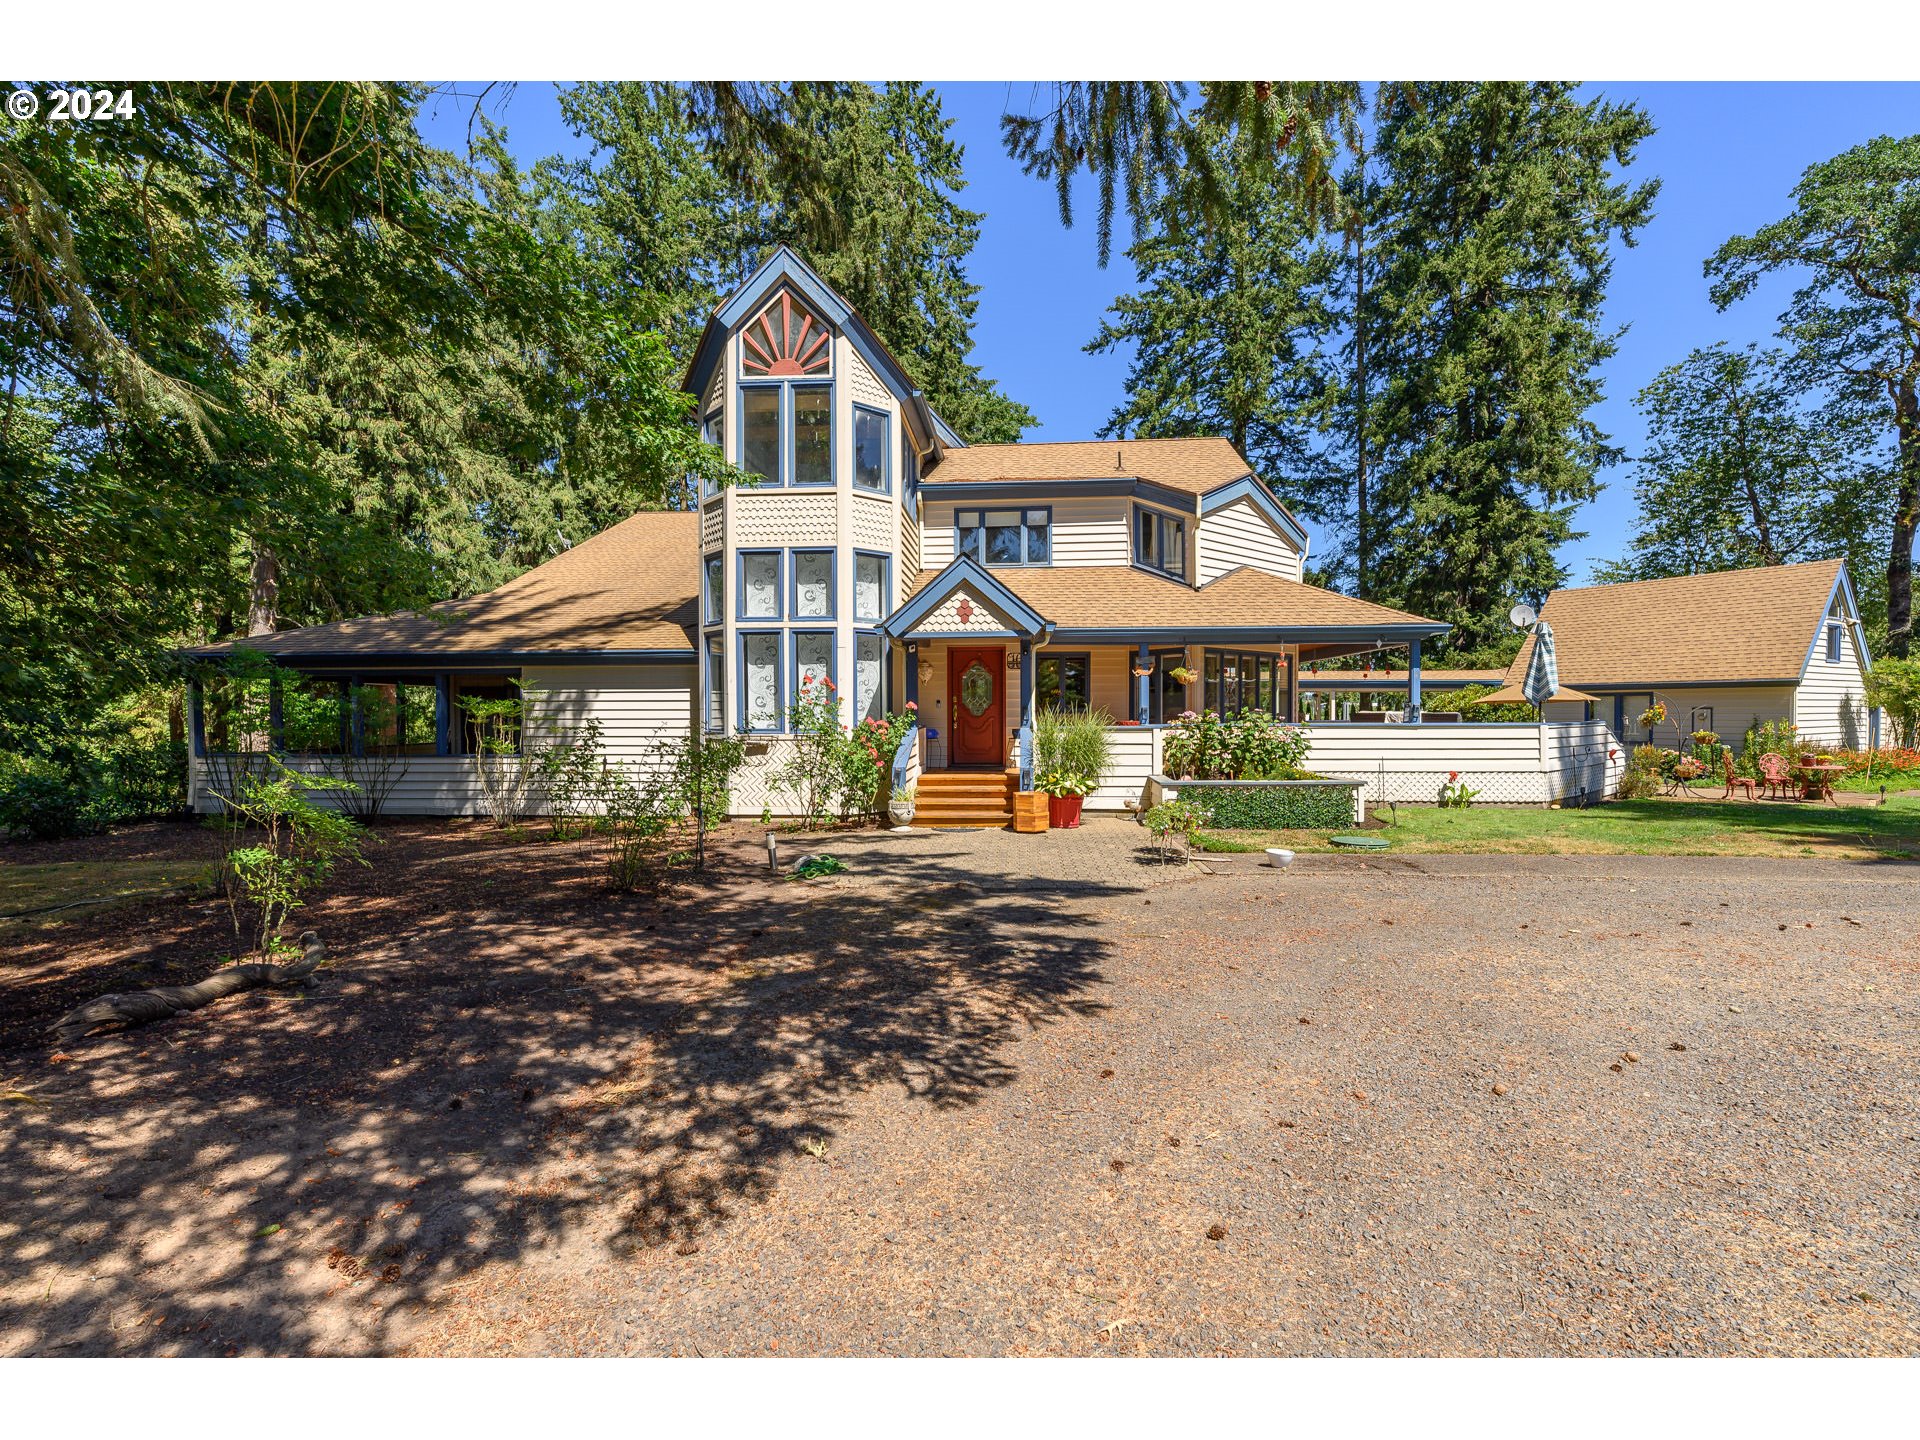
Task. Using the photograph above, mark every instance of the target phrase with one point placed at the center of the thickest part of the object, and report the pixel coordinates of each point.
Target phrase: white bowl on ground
(1279, 858)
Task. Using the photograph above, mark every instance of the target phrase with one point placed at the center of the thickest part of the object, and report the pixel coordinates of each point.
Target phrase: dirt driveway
(961, 1105)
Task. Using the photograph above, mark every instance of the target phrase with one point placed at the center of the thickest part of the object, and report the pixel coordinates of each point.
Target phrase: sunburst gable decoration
(786, 338)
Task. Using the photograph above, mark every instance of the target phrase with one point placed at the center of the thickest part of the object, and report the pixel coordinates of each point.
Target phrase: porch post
(913, 677)
(442, 714)
(1140, 684)
(197, 718)
(276, 717)
(357, 715)
(1026, 682)
(1413, 682)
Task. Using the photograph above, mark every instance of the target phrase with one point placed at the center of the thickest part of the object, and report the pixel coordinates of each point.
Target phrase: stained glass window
(869, 587)
(760, 585)
(760, 657)
(813, 584)
(870, 656)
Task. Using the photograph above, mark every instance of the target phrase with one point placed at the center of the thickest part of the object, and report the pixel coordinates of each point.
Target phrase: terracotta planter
(1063, 811)
(1029, 813)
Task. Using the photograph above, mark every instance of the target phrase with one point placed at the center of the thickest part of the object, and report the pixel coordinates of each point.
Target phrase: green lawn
(35, 896)
(1633, 827)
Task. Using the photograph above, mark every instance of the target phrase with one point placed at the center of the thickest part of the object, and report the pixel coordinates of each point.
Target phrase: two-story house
(1141, 578)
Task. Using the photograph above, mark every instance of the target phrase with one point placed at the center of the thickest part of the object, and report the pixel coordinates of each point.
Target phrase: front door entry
(976, 706)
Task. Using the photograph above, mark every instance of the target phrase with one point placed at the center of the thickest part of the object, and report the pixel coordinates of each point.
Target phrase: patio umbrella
(1543, 672)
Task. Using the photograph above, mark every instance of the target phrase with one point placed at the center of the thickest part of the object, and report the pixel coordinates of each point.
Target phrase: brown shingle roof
(1105, 597)
(633, 587)
(1195, 465)
(1731, 625)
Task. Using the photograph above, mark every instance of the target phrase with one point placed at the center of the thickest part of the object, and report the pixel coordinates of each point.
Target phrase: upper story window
(786, 402)
(870, 448)
(1833, 643)
(715, 605)
(716, 436)
(1160, 541)
(1005, 537)
(909, 474)
(759, 584)
(870, 585)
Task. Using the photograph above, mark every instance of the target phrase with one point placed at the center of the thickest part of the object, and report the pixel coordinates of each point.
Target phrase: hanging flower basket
(1182, 675)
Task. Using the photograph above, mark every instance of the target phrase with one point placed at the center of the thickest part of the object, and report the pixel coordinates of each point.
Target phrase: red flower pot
(1063, 811)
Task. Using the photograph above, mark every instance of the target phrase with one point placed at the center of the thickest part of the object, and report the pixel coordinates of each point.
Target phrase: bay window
(812, 659)
(760, 431)
(870, 448)
(869, 586)
(714, 603)
(760, 680)
(869, 666)
(812, 585)
(716, 683)
(759, 584)
(812, 434)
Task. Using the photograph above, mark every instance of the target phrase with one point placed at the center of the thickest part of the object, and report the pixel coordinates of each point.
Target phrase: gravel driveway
(944, 1107)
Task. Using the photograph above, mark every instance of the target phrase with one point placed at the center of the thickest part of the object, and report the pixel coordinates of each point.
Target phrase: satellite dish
(1522, 616)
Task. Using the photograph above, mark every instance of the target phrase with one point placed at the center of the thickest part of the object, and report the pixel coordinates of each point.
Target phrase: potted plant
(1066, 791)
(900, 806)
(1183, 675)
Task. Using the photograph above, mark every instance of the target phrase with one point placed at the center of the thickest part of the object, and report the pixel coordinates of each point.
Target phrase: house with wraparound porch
(877, 550)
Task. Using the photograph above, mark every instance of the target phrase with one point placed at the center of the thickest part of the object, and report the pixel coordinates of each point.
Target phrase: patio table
(1817, 783)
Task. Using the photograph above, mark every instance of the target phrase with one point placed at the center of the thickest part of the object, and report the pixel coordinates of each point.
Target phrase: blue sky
(1727, 154)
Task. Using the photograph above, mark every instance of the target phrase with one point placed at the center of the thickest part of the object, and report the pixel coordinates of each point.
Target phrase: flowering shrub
(1456, 794)
(1251, 745)
(836, 771)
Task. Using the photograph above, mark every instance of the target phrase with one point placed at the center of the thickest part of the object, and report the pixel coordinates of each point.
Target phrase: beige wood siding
(1735, 708)
(1830, 705)
(1085, 531)
(1239, 534)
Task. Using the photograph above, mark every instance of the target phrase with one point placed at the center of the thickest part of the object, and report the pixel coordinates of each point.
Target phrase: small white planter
(1279, 858)
(900, 812)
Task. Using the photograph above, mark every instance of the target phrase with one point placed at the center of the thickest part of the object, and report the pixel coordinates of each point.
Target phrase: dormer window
(1005, 537)
(1160, 542)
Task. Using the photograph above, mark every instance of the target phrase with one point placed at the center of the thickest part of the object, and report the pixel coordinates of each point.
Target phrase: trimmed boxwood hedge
(1273, 807)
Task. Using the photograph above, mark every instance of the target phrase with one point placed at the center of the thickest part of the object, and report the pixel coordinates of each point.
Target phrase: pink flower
(912, 706)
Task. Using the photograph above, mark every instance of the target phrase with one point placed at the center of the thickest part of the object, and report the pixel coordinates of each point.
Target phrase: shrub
(1073, 742)
(1175, 820)
(572, 773)
(646, 805)
(128, 779)
(1642, 776)
(1274, 807)
(1246, 746)
(39, 800)
(508, 745)
(1768, 737)
(1894, 686)
(297, 846)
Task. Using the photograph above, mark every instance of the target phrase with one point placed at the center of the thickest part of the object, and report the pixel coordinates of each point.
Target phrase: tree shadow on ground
(502, 1058)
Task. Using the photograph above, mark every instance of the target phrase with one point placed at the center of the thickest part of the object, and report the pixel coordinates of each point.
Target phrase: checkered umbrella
(1543, 671)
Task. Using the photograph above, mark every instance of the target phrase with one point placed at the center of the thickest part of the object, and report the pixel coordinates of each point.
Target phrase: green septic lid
(1358, 842)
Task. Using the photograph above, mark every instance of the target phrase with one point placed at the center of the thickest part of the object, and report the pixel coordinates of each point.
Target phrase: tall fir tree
(1488, 258)
(1230, 330)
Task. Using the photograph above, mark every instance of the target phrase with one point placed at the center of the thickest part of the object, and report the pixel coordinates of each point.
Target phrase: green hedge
(42, 799)
(1273, 807)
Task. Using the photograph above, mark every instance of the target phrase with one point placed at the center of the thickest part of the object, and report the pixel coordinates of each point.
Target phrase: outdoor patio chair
(1744, 783)
(1776, 780)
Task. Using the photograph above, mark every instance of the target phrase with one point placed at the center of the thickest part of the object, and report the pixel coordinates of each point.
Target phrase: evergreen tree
(1855, 322)
(1229, 329)
(1744, 467)
(1488, 241)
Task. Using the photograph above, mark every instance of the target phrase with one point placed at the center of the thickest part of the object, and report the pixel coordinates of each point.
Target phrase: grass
(34, 896)
(1633, 827)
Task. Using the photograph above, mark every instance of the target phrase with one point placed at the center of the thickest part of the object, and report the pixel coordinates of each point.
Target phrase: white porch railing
(1509, 764)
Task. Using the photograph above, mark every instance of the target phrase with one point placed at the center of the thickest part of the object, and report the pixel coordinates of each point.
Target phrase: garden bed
(1268, 804)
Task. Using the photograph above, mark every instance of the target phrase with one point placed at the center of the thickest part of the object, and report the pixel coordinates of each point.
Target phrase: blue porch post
(1026, 682)
(1140, 683)
(197, 718)
(276, 717)
(357, 716)
(912, 668)
(442, 714)
(1413, 681)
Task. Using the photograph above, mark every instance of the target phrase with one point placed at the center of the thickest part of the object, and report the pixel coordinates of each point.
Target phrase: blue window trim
(714, 432)
(885, 486)
(886, 674)
(779, 682)
(793, 583)
(886, 585)
(910, 474)
(713, 609)
(1085, 657)
(1833, 642)
(779, 586)
(791, 438)
(780, 420)
(1165, 518)
(793, 657)
(1022, 563)
(713, 665)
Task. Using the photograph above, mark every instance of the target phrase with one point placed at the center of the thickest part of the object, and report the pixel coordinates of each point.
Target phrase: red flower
(1453, 775)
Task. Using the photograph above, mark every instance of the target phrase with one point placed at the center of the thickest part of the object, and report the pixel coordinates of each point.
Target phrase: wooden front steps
(964, 797)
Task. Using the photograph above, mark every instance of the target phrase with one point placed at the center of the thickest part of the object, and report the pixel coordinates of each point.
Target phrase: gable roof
(1192, 465)
(630, 592)
(1726, 627)
(1122, 598)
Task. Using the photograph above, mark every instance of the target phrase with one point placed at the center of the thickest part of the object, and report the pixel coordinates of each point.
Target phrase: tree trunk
(1360, 518)
(142, 1007)
(1906, 520)
(263, 591)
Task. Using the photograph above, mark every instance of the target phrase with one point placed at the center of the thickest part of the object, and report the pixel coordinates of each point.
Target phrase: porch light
(926, 671)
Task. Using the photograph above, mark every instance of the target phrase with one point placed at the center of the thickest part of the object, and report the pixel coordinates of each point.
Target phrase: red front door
(976, 706)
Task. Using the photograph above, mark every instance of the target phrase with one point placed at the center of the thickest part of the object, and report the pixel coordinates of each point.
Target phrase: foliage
(816, 771)
(1455, 793)
(867, 763)
(289, 845)
(1462, 700)
(1767, 737)
(371, 762)
(1075, 743)
(131, 779)
(1893, 685)
(1854, 323)
(1651, 717)
(1226, 327)
(571, 777)
(1747, 465)
(1250, 745)
(1278, 807)
(647, 804)
(815, 867)
(38, 799)
(1065, 782)
(508, 740)
(1490, 235)
(1174, 821)
(1641, 779)
(1896, 767)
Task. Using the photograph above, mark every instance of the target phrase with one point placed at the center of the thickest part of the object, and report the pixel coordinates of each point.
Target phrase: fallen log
(143, 1007)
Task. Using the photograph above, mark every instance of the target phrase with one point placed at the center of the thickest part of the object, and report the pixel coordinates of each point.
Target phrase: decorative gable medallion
(786, 339)
(964, 610)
